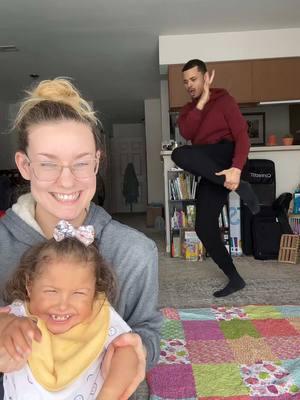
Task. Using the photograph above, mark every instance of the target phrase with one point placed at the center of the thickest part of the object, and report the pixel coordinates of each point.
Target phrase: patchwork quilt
(233, 353)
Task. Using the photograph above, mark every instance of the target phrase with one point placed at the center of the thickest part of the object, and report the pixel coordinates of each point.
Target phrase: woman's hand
(232, 177)
(127, 339)
(17, 336)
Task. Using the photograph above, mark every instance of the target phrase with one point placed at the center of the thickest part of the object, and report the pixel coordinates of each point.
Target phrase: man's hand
(208, 79)
(232, 177)
(17, 336)
(127, 339)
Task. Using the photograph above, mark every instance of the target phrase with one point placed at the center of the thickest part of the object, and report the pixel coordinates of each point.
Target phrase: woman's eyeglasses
(48, 171)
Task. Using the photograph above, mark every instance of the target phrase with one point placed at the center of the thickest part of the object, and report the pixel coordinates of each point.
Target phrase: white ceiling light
(8, 48)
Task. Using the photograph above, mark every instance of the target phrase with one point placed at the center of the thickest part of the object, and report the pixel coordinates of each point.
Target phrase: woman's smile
(66, 197)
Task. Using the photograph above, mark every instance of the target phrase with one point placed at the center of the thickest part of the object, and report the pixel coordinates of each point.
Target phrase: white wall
(128, 144)
(164, 103)
(277, 119)
(153, 128)
(8, 140)
(106, 169)
(287, 165)
(226, 46)
(128, 130)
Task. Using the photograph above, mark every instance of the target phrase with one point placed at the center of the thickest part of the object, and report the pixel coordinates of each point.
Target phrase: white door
(122, 152)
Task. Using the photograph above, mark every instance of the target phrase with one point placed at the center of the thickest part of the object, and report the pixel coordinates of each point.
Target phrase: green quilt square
(237, 328)
(219, 380)
(172, 329)
(263, 312)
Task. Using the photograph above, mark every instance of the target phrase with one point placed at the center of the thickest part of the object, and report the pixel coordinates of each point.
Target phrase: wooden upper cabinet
(178, 96)
(276, 79)
(234, 76)
(249, 81)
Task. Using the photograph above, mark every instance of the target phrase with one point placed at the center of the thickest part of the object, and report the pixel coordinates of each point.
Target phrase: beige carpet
(186, 284)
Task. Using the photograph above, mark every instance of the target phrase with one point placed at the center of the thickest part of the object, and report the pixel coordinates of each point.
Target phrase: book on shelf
(186, 244)
(191, 215)
(182, 187)
(235, 224)
(192, 247)
(225, 216)
(176, 246)
(226, 239)
(183, 218)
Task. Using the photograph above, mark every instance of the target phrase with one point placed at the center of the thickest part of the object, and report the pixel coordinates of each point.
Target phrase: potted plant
(272, 140)
(288, 139)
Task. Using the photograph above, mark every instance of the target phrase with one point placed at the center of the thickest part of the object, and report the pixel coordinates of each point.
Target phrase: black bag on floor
(268, 226)
(266, 234)
(261, 176)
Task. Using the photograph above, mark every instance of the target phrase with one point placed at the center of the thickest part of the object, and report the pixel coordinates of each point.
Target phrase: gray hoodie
(132, 255)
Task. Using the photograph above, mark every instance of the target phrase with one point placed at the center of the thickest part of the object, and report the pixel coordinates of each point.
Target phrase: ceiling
(110, 47)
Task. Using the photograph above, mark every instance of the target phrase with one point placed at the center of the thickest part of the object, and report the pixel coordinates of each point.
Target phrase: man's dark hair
(195, 63)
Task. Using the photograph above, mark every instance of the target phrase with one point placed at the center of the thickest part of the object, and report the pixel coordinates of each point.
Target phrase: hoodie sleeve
(189, 121)
(135, 261)
(239, 131)
(144, 317)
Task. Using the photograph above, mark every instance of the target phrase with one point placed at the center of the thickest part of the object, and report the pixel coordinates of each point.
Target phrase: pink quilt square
(227, 398)
(285, 348)
(202, 330)
(275, 327)
(170, 313)
(286, 396)
(172, 381)
(209, 351)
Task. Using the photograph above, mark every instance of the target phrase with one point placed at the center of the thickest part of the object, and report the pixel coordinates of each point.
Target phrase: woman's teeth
(60, 317)
(66, 197)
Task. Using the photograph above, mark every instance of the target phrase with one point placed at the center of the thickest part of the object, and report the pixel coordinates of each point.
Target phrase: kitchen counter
(254, 149)
(274, 148)
(287, 165)
(286, 159)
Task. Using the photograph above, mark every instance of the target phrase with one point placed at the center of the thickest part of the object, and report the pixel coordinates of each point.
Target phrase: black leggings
(205, 161)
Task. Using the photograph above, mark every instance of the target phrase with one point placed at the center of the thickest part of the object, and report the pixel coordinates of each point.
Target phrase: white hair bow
(85, 234)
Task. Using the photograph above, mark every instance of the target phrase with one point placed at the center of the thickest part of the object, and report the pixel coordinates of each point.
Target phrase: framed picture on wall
(256, 128)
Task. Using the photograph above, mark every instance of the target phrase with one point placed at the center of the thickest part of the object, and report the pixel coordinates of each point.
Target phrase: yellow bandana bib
(59, 359)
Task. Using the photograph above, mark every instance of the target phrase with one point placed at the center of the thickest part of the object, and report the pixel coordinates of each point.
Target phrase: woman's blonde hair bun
(58, 90)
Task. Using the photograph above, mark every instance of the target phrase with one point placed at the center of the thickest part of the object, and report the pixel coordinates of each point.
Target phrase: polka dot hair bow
(85, 234)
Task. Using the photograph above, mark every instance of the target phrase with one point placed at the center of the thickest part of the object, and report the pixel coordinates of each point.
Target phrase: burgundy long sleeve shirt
(220, 119)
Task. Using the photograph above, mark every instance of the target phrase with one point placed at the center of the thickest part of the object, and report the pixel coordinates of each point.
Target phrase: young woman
(65, 285)
(59, 153)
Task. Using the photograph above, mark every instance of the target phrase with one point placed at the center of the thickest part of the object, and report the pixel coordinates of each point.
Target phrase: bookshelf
(180, 211)
(182, 214)
(184, 241)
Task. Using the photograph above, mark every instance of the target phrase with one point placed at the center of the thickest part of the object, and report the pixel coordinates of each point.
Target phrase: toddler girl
(62, 322)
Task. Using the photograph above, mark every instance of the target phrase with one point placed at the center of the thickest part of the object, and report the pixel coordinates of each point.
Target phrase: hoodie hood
(20, 222)
(215, 93)
(25, 209)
